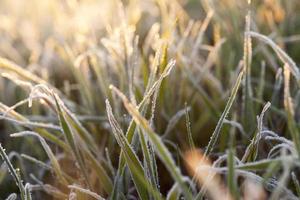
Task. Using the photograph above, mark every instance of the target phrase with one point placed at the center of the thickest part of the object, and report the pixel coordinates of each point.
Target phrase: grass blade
(54, 162)
(12, 196)
(161, 150)
(220, 123)
(69, 136)
(252, 150)
(280, 53)
(188, 128)
(289, 108)
(296, 183)
(131, 158)
(13, 172)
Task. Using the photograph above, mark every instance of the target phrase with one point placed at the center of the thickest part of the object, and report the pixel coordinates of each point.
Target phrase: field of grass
(149, 99)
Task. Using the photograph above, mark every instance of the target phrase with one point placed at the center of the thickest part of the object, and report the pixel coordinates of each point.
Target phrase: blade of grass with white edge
(18, 158)
(280, 53)
(252, 150)
(143, 105)
(28, 191)
(50, 154)
(248, 115)
(100, 171)
(263, 164)
(216, 133)
(36, 162)
(43, 132)
(173, 193)
(46, 166)
(69, 136)
(160, 148)
(75, 123)
(13, 172)
(11, 67)
(51, 97)
(133, 163)
(290, 110)
(87, 145)
(296, 183)
(188, 128)
(12, 196)
(149, 168)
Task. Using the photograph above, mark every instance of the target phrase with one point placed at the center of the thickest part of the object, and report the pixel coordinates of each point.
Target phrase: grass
(149, 99)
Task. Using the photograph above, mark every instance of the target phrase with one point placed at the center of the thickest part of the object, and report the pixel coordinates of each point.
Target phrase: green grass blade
(149, 168)
(252, 149)
(161, 150)
(43, 132)
(289, 108)
(69, 136)
(188, 128)
(248, 117)
(259, 165)
(132, 161)
(50, 154)
(286, 59)
(220, 123)
(152, 86)
(296, 183)
(28, 192)
(13, 172)
(173, 193)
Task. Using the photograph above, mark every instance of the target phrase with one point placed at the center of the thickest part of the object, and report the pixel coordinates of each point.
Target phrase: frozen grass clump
(149, 99)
